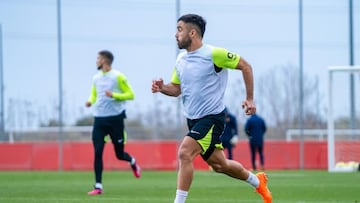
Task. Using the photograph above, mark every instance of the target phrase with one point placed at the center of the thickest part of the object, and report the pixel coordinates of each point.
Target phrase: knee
(184, 155)
(98, 154)
(120, 155)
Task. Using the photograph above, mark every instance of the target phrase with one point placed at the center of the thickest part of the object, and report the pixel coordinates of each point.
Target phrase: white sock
(180, 196)
(132, 162)
(253, 180)
(98, 186)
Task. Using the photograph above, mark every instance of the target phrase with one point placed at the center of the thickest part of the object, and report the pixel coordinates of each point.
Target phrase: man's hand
(108, 93)
(249, 107)
(87, 104)
(157, 85)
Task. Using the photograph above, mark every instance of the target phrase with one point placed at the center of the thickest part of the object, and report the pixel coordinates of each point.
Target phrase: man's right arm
(170, 89)
(92, 98)
(265, 128)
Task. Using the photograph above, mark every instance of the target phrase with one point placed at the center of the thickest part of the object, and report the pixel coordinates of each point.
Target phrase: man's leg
(188, 150)
(261, 154)
(232, 168)
(117, 134)
(235, 169)
(253, 156)
(124, 156)
(98, 161)
(98, 134)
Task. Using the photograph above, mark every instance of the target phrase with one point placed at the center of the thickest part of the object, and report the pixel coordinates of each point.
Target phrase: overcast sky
(140, 33)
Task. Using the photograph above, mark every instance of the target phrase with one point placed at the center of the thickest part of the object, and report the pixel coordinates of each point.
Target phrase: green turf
(159, 187)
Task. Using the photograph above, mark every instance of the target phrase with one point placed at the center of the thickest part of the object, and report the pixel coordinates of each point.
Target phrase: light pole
(301, 88)
(351, 53)
(2, 120)
(60, 136)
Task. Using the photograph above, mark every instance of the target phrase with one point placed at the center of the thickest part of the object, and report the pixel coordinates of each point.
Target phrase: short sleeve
(224, 59)
(175, 78)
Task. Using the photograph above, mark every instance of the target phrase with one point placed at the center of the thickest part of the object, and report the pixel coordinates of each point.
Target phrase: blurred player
(229, 138)
(255, 128)
(200, 76)
(109, 92)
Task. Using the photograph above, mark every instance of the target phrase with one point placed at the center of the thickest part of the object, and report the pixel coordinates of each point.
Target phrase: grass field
(159, 187)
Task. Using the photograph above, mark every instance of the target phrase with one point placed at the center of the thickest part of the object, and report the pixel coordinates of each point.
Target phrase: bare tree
(278, 99)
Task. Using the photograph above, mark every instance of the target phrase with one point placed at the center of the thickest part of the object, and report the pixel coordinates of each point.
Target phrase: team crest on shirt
(231, 55)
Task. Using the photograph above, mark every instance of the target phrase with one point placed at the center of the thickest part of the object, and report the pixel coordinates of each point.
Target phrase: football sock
(133, 161)
(180, 196)
(98, 186)
(253, 180)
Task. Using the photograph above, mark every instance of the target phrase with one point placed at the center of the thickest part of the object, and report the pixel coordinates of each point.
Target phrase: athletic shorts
(207, 131)
(110, 125)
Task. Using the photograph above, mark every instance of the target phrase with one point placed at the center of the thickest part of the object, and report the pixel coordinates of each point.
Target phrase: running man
(109, 92)
(200, 76)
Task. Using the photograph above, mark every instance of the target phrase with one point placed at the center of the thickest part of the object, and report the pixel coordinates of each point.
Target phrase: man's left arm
(225, 59)
(265, 128)
(127, 92)
(247, 73)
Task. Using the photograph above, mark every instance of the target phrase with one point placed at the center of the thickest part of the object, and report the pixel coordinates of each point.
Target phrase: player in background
(110, 90)
(255, 129)
(200, 76)
(230, 137)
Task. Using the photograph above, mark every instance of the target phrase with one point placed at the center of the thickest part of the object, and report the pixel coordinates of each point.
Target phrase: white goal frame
(330, 120)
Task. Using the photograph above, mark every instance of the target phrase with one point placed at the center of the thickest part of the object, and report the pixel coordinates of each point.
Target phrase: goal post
(331, 140)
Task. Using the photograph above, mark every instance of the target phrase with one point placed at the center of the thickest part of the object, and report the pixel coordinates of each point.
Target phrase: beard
(184, 44)
(99, 67)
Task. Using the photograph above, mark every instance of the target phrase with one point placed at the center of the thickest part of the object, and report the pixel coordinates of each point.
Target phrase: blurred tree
(85, 121)
(51, 123)
(344, 122)
(278, 99)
